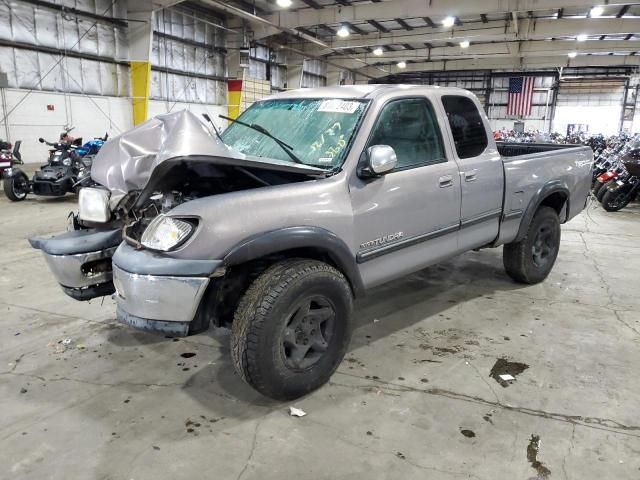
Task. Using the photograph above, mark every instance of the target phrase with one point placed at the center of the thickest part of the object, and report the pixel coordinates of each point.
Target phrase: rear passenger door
(481, 172)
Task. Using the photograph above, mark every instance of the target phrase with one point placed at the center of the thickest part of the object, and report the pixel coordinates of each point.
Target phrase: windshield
(318, 130)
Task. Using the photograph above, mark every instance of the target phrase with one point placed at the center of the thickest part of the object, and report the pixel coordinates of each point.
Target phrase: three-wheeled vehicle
(68, 168)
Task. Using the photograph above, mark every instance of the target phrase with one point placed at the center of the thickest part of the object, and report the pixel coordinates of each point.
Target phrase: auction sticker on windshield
(338, 106)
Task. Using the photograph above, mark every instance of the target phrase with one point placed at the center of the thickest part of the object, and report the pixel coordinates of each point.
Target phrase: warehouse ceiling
(387, 37)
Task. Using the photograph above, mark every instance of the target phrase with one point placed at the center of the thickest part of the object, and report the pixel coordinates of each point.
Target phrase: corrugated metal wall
(51, 34)
(42, 50)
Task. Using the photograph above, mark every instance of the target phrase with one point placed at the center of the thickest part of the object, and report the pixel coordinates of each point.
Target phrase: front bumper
(81, 261)
(143, 299)
(160, 293)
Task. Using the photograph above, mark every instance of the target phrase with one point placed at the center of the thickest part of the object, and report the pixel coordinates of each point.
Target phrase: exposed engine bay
(185, 181)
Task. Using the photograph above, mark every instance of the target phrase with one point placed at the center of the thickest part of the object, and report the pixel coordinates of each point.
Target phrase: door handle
(470, 176)
(445, 181)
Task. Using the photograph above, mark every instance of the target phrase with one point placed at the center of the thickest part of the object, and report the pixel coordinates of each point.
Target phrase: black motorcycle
(625, 188)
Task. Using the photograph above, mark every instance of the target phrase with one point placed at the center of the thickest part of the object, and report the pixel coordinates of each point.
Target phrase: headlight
(66, 162)
(94, 205)
(165, 233)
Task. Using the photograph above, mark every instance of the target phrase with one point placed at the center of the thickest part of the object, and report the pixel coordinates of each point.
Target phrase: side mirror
(41, 140)
(380, 159)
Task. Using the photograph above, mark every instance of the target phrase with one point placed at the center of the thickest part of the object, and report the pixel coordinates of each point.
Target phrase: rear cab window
(467, 127)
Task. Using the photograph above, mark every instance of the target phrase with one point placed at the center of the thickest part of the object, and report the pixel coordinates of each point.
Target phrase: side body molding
(300, 237)
(536, 200)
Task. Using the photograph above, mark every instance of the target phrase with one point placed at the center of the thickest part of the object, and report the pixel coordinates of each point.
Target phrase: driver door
(409, 218)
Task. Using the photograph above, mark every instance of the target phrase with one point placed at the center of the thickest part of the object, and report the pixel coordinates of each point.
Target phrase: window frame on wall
(320, 74)
(430, 110)
(203, 76)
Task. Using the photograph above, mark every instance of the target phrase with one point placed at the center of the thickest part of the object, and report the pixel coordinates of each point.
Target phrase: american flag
(520, 95)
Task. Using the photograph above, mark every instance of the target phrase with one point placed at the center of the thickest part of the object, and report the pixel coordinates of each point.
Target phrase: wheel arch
(555, 195)
(300, 241)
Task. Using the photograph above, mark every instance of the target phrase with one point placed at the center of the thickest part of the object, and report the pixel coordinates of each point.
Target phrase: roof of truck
(359, 91)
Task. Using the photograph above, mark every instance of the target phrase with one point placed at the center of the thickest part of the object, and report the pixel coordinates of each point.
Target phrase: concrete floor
(121, 404)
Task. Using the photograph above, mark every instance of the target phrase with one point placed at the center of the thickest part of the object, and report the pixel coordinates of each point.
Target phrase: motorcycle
(68, 168)
(619, 193)
(8, 157)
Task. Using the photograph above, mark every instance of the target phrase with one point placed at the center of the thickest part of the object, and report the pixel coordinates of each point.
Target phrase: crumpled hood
(125, 163)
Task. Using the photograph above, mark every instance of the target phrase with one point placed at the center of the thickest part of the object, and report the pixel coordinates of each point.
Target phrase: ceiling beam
(403, 24)
(429, 22)
(529, 29)
(508, 63)
(355, 29)
(378, 26)
(497, 50)
(623, 11)
(435, 9)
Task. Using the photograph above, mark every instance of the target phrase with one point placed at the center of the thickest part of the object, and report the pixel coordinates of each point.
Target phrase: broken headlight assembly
(166, 233)
(93, 205)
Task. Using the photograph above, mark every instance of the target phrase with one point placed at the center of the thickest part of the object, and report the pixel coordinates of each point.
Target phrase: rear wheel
(292, 328)
(16, 187)
(531, 259)
(596, 188)
(616, 200)
(603, 189)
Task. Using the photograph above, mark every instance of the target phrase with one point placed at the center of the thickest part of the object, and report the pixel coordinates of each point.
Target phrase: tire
(530, 260)
(603, 190)
(278, 350)
(615, 201)
(16, 187)
(596, 188)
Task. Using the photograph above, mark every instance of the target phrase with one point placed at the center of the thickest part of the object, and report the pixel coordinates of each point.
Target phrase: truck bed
(508, 149)
(531, 170)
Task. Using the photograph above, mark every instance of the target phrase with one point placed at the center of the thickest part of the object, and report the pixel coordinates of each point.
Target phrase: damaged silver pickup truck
(308, 200)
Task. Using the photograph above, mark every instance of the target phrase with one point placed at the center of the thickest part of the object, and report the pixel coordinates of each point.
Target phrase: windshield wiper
(215, 129)
(259, 128)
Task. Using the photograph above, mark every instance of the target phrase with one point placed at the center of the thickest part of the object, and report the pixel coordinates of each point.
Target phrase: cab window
(469, 134)
(409, 126)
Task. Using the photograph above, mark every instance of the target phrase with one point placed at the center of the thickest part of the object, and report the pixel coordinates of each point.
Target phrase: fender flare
(290, 238)
(534, 204)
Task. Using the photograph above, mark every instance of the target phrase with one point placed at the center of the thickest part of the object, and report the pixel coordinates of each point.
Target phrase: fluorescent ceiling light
(402, 64)
(448, 22)
(283, 3)
(378, 51)
(572, 54)
(343, 31)
(596, 11)
(464, 44)
(582, 37)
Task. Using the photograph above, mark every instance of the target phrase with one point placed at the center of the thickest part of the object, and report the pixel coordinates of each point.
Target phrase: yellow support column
(234, 88)
(140, 88)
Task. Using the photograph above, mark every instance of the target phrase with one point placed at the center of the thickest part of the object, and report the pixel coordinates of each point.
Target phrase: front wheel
(16, 187)
(531, 259)
(616, 200)
(292, 328)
